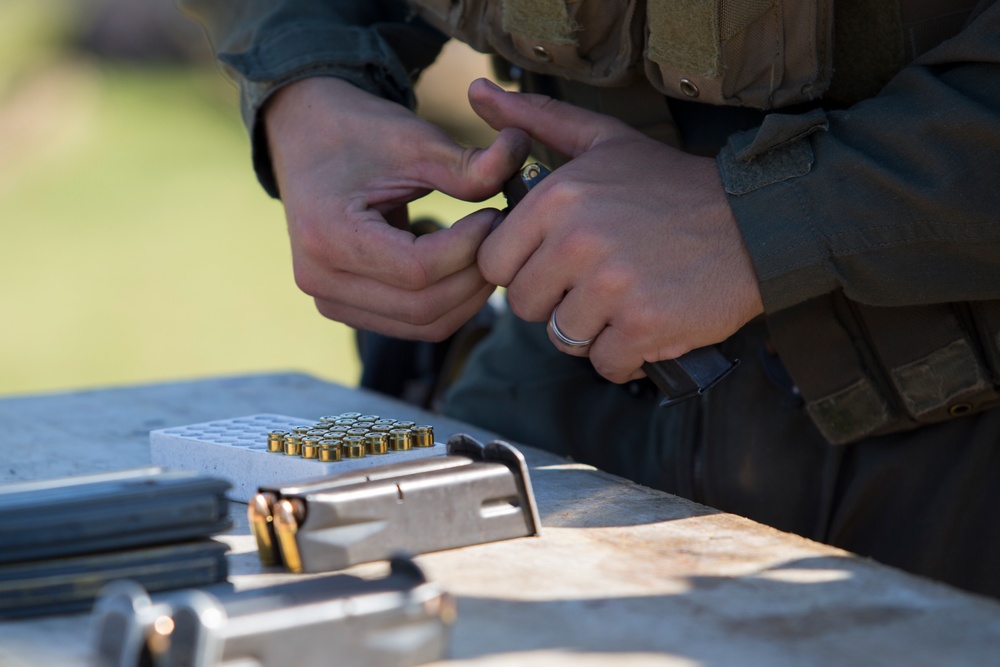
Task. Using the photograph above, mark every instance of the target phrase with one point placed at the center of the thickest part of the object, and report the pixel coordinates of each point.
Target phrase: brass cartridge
(293, 445)
(376, 443)
(353, 447)
(259, 514)
(400, 440)
(310, 446)
(276, 441)
(423, 436)
(330, 451)
(288, 514)
(350, 415)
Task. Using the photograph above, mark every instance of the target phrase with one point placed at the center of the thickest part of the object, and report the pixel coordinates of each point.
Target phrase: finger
(363, 244)
(416, 308)
(563, 127)
(474, 174)
(575, 319)
(435, 331)
(558, 258)
(514, 238)
(619, 353)
(614, 357)
(540, 284)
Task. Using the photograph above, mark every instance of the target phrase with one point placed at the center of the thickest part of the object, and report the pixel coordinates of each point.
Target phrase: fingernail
(492, 85)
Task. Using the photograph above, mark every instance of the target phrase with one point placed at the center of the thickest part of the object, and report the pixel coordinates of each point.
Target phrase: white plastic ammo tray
(236, 450)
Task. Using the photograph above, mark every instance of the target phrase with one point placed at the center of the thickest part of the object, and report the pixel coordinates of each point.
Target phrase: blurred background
(135, 243)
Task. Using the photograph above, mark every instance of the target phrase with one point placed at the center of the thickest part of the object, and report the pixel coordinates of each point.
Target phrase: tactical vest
(754, 53)
(861, 370)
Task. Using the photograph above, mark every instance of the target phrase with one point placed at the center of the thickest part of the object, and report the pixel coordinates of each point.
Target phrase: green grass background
(135, 243)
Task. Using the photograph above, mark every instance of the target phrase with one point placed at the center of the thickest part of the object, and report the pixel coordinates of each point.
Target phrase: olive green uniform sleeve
(895, 201)
(265, 44)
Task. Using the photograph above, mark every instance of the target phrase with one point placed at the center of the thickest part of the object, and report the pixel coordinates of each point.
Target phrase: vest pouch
(753, 53)
(822, 349)
(591, 41)
(933, 359)
(867, 370)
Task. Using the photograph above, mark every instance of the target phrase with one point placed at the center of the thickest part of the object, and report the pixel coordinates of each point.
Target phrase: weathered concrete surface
(621, 574)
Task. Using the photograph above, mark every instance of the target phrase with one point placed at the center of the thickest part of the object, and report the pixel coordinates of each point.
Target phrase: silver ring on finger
(563, 338)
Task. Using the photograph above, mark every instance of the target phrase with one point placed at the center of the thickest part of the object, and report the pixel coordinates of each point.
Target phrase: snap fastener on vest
(960, 409)
(542, 53)
(689, 89)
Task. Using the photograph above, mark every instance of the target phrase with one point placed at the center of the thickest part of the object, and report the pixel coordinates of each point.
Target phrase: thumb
(562, 127)
(474, 174)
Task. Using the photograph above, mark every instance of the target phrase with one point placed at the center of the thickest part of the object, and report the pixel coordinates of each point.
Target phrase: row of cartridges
(350, 435)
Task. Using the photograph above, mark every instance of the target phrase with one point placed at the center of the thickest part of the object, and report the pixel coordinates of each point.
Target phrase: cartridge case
(376, 444)
(293, 445)
(423, 435)
(330, 451)
(353, 447)
(276, 441)
(400, 440)
(310, 447)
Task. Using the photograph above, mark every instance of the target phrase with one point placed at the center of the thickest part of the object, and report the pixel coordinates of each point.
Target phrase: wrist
(299, 121)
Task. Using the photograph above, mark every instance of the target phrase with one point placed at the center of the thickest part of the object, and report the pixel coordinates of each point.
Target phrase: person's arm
(895, 203)
(875, 237)
(894, 200)
(347, 163)
(326, 90)
(633, 240)
(266, 44)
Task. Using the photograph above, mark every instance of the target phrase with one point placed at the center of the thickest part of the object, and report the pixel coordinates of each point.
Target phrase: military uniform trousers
(924, 500)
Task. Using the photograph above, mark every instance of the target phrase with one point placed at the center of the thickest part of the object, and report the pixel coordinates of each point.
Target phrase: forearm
(895, 203)
(266, 45)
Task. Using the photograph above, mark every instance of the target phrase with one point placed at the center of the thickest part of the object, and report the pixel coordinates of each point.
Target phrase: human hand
(633, 240)
(347, 163)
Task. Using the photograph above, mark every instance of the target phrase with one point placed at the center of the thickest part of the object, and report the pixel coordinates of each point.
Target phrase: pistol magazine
(398, 620)
(476, 493)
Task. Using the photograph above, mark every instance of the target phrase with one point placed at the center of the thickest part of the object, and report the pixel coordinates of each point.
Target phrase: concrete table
(621, 574)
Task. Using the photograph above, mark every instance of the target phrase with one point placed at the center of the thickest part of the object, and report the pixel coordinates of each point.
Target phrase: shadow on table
(579, 496)
(822, 610)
